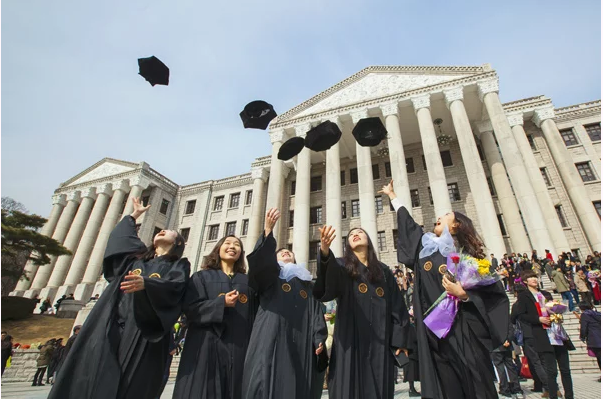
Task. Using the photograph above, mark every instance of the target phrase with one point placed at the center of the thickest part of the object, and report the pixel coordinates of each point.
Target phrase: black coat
(590, 328)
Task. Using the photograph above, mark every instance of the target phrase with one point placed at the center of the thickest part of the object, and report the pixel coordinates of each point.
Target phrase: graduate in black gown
(458, 365)
(220, 308)
(122, 347)
(368, 325)
(289, 330)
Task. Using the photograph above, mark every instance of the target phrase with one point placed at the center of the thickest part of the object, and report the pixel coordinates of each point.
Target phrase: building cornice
(591, 108)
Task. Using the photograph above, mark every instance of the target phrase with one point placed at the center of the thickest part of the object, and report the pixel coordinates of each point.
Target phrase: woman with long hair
(457, 365)
(123, 345)
(289, 335)
(220, 307)
(368, 326)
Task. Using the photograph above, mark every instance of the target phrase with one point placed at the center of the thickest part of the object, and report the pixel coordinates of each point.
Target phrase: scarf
(432, 243)
(292, 270)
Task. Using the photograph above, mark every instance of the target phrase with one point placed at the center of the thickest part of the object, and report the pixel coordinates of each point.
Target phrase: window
(231, 228)
(561, 215)
(491, 186)
(290, 247)
(395, 233)
(597, 205)
(156, 231)
(344, 211)
(379, 204)
(245, 227)
(164, 206)
(481, 153)
(577, 253)
(291, 214)
(568, 137)
(316, 215)
(545, 176)
(342, 177)
(145, 200)
(344, 241)
(410, 165)
(423, 160)
(213, 232)
(586, 173)
(234, 200)
(218, 203)
(430, 196)
(354, 176)
(388, 169)
(355, 208)
(184, 233)
(446, 158)
(532, 142)
(414, 198)
(453, 192)
(190, 207)
(248, 197)
(501, 224)
(293, 187)
(594, 131)
(376, 172)
(316, 183)
(314, 249)
(381, 241)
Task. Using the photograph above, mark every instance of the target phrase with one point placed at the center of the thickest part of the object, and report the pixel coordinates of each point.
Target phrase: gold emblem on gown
(303, 294)
(136, 272)
(443, 269)
(243, 298)
(379, 291)
(286, 287)
(427, 266)
(362, 288)
(155, 275)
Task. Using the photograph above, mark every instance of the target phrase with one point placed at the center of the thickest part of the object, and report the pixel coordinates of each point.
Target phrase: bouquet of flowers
(594, 276)
(471, 273)
(555, 310)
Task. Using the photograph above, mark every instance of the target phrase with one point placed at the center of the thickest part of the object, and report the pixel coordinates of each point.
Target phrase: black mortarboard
(257, 115)
(154, 71)
(323, 136)
(369, 132)
(291, 148)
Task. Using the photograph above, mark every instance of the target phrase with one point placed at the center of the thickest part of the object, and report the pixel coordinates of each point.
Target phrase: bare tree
(10, 205)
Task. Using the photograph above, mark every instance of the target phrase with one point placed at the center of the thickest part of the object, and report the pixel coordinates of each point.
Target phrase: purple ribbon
(441, 318)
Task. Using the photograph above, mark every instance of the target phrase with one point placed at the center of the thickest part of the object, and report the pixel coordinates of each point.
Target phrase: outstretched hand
(327, 235)
(272, 216)
(388, 190)
(132, 283)
(139, 208)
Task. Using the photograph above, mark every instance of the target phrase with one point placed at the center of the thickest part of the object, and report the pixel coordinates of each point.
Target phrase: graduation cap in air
(323, 136)
(369, 132)
(291, 148)
(154, 71)
(257, 115)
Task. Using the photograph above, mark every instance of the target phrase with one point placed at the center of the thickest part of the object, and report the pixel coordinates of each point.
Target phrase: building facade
(527, 174)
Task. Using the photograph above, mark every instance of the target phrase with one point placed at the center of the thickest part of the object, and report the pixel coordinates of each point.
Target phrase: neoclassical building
(526, 173)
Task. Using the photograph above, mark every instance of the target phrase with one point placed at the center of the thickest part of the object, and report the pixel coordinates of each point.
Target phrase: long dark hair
(174, 254)
(212, 261)
(353, 265)
(467, 236)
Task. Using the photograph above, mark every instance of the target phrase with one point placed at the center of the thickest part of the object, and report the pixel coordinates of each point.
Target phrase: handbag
(9, 360)
(525, 369)
(518, 333)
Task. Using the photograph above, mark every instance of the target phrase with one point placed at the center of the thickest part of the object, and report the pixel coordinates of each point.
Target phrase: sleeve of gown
(493, 305)
(320, 332)
(583, 327)
(198, 308)
(123, 241)
(330, 278)
(399, 315)
(409, 236)
(158, 306)
(263, 267)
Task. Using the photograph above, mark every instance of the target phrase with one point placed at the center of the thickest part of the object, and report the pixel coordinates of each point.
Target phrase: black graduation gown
(459, 365)
(411, 369)
(290, 325)
(123, 345)
(367, 326)
(211, 366)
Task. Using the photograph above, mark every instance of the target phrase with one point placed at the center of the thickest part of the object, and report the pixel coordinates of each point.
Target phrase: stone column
(333, 192)
(397, 158)
(259, 176)
(433, 159)
(137, 186)
(276, 181)
(63, 226)
(506, 199)
(84, 249)
(366, 186)
(486, 213)
(301, 216)
(524, 192)
(572, 181)
(58, 203)
(95, 264)
(542, 192)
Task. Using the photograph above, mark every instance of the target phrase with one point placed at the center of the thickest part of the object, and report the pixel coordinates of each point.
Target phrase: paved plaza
(585, 387)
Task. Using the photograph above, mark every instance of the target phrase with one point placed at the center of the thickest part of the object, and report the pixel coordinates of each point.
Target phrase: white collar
(432, 243)
(292, 270)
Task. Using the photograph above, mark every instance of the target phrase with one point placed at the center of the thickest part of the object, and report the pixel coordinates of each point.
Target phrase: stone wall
(23, 366)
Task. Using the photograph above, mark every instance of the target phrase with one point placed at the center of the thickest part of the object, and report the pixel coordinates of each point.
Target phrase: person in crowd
(65, 350)
(6, 348)
(46, 352)
(590, 329)
(220, 307)
(534, 257)
(582, 286)
(561, 262)
(368, 326)
(286, 357)
(569, 276)
(330, 309)
(56, 359)
(412, 372)
(458, 365)
(597, 260)
(122, 348)
(563, 287)
(493, 263)
(57, 305)
(45, 306)
(549, 255)
(502, 357)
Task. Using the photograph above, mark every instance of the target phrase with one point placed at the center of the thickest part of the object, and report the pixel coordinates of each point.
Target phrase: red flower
(455, 259)
(26, 346)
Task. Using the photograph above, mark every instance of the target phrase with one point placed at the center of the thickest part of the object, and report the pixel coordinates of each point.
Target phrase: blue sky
(71, 94)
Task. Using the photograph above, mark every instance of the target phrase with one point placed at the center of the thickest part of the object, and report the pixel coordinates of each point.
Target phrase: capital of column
(359, 114)
(277, 136)
(422, 101)
(453, 94)
(487, 86)
(484, 126)
(121, 185)
(104, 189)
(542, 114)
(88, 192)
(74, 196)
(515, 119)
(59, 199)
(389, 109)
(301, 130)
(259, 173)
(139, 181)
(286, 169)
(336, 119)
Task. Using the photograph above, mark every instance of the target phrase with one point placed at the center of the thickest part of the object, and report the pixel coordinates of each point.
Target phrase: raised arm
(263, 267)
(330, 274)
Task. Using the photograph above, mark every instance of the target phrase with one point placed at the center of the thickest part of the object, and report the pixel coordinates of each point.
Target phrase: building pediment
(378, 82)
(105, 168)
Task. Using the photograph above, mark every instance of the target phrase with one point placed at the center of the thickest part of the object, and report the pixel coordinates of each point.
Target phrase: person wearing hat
(121, 350)
(44, 358)
(287, 354)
